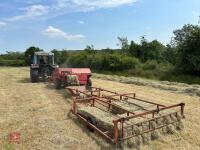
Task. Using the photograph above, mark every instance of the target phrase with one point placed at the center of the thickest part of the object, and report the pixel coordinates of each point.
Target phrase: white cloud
(93, 4)
(54, 32)
(81, 22)
(2, 24)
(60, 7)
(102, 3)
(31, 12)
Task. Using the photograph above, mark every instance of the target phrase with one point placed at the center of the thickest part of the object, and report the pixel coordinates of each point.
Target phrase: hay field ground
(41, 115)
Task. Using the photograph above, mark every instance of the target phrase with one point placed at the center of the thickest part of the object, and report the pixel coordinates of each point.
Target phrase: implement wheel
(57, 84)
(93, 121)
(89, 84)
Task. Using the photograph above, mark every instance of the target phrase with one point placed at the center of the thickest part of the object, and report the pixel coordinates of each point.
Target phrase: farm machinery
(121, 118)
(43, 67)
(125, 118)
(64, 77)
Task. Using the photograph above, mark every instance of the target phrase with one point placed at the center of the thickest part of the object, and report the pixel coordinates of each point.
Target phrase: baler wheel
(57, 84)
(89, 84)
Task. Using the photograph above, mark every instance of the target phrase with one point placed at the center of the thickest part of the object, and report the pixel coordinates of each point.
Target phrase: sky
(73, 24)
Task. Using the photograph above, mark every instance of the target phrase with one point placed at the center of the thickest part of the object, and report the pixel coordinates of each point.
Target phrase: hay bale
(117, 110)
(133, 106)
(145, 125)
(134, 142)
(125, 105)
(103, 118)
(146, 138)
(155, 135)
(170, 129)
(179, 117)
(164, 130)
(173, 117)
(130, 143)
(128, 131)
(179, 125)
(81, 95)
(73, 79)
(137, 130)
(160, 121)
(167, 119)
(153, 124)
(138, 142)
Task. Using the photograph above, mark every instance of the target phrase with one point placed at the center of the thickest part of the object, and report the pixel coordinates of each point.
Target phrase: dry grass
(163, 85)
(41, 115)
(189, 138)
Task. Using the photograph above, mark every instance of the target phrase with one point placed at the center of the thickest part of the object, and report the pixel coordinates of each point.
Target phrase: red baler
(63, 77)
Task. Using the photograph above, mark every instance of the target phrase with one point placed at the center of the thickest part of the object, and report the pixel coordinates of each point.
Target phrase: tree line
(179, 60)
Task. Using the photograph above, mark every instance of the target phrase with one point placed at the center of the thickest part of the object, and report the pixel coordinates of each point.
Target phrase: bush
(15, 63)
(129, 62)
(150, 65)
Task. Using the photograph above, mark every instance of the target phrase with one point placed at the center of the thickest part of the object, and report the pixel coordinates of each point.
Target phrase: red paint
(14, 137)
(83, 74)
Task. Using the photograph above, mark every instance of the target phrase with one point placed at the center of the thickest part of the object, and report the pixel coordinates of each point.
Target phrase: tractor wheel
(93, 121)
(89, 84)
(57, 84)
(34, 75)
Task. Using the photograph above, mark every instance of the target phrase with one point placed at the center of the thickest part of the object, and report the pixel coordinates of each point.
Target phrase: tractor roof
(44, 53)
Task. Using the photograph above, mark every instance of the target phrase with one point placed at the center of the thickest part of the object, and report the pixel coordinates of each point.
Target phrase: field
(41, 114)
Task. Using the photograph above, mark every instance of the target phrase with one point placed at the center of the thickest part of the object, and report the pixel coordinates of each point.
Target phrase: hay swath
(125, 118)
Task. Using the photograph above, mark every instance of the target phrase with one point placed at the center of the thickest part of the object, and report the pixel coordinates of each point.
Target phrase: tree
(123, 42)
(155, 50)
(187, 41)
(170, 54)
(150, 50)
(143, 49)
(30, 52)
(134, 49)
(90, 49)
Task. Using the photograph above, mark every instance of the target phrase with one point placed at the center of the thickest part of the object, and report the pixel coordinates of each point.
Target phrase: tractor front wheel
(34, 75)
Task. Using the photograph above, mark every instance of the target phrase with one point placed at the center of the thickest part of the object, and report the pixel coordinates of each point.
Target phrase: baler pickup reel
(125, 118)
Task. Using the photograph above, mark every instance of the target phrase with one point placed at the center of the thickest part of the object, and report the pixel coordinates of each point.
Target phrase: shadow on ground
(24, 80)
(64, 92)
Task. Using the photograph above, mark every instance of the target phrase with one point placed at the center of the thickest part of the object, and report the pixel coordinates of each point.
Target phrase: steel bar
(131, 136)
(153, 111)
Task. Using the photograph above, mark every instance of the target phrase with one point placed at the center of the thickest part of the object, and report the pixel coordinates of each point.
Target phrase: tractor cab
(42, 66)
(43, 58)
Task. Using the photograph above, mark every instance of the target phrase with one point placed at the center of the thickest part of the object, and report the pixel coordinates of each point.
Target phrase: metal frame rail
(95, 98)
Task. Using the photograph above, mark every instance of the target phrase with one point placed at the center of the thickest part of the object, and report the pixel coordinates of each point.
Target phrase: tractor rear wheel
(34, 75)
(57, 84)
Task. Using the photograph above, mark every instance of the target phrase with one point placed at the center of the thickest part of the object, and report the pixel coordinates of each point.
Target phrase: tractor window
(50, 60)
(45, 60)
(41, 60)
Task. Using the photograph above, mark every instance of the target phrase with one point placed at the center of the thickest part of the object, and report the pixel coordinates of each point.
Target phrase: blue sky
(73, 24)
